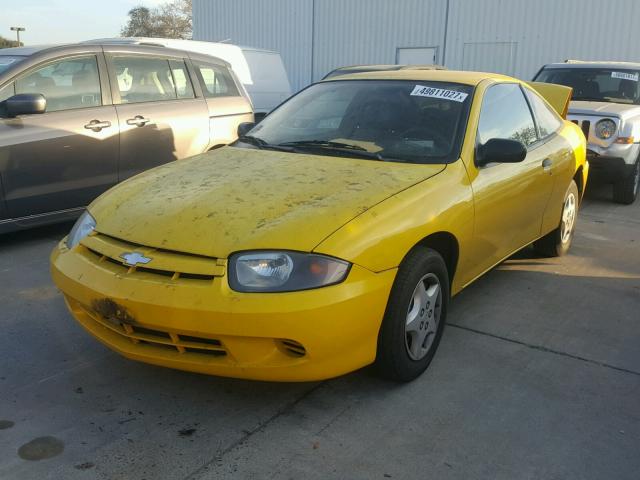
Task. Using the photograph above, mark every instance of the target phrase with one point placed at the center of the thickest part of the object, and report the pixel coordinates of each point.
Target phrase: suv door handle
(97, 125)
(547, 164)
(138, 121)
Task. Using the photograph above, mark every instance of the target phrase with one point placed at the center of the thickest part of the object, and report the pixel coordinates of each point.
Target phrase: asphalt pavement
(537, 377)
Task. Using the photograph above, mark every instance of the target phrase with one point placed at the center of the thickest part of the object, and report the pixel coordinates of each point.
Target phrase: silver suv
(606, 105)
(77, 119)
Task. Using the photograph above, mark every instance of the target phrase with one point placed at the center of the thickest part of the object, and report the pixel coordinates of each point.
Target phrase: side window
(66, 84)
(546, 118)
(180, 79)
(505, 114)
(144, 79)
(216, 81)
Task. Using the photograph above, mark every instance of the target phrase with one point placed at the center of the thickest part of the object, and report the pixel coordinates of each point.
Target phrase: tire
(626, 191)
(558, 242)
(405, 349)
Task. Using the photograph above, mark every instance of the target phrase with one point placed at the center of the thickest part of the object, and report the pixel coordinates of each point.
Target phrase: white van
(261, 71)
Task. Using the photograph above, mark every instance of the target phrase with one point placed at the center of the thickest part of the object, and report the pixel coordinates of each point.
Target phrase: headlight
(605, 129)
(83, 227)
(269, 271)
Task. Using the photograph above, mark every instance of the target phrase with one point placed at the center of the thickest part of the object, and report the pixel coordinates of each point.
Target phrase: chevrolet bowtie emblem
(134, 258)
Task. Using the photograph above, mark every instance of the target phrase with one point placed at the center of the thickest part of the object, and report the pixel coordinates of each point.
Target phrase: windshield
(596, 84)
(7, 61)
(402, 121)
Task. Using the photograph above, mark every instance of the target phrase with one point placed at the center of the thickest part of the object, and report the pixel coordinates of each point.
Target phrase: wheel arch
(447, 245)
(578, 177)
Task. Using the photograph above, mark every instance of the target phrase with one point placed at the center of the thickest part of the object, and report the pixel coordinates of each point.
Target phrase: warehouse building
(514, 37)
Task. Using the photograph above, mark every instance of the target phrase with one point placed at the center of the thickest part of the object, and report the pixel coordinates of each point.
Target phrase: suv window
(505, 114)
(546, 118)
(144, 79)
(596, 84)
(66, 84)
(216, 81)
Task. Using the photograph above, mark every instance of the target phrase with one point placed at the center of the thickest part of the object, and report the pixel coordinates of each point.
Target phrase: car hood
(236, 199)
(603, 108)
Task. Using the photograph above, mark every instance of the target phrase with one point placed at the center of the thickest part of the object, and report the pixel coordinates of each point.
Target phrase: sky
(62, 21)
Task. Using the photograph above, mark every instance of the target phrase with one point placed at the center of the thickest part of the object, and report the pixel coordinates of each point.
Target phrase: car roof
(40, 50)
(452, 76)
(593, 64)
(25, 51)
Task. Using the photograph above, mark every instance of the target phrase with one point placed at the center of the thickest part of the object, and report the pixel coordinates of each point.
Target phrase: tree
(6, 43)
(170, 20)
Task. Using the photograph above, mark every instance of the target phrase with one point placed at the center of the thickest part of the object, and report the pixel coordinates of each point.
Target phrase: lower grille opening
(208, 341)
(150, 332)
(204, 351)
(292, 347)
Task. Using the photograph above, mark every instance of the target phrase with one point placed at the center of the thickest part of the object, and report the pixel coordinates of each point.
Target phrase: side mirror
(25, 104)
(500, 150)
(244, 128)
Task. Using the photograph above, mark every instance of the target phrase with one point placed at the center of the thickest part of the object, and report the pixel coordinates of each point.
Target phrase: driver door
(510, 198)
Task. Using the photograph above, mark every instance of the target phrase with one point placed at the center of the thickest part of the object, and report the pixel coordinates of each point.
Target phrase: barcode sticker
(422, 91)
(625, 76)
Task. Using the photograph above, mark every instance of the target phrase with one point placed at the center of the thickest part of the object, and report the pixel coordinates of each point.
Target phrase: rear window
(7, 61)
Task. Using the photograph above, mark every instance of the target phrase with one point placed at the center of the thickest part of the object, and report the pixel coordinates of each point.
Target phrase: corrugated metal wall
(281, 25)
(348, 32)
(515, 37)
(545, 31)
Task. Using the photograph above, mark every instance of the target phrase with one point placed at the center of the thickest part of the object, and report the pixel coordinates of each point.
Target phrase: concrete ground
(537, 377)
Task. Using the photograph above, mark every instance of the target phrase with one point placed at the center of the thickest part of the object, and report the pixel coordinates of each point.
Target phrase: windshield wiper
(355, 150)
(260, 143)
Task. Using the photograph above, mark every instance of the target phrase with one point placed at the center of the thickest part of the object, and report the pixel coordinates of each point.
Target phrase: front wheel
(558, 242)
(626, 191)
(415, 316)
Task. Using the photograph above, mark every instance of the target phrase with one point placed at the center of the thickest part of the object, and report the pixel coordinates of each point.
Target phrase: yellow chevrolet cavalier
(333, 234)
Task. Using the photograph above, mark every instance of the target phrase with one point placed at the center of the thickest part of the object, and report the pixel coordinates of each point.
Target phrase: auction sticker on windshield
(422, 91)
(625, 76)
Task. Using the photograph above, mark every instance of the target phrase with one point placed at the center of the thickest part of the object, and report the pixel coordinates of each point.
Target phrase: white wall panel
(281, 25)
(509, 36)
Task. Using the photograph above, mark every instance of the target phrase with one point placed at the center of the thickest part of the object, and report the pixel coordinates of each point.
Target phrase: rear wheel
(558, 242)
(626, 191)
(415, 316)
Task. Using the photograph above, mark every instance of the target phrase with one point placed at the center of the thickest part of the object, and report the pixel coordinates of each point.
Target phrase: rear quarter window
(216, 81)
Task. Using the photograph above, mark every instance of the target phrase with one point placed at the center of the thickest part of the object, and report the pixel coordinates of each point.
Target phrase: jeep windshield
(7, 61)
(380, 120)
(596, 84)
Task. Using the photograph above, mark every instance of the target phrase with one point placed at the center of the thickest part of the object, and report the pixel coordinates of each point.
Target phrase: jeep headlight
(83, 227)
(605, 128)
(284, 271)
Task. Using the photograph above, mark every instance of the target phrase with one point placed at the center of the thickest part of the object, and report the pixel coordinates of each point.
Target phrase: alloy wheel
(423, 316)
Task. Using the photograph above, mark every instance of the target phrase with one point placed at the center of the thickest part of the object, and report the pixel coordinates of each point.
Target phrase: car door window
(180, 79)
(216, 81)
(505, 114)
(66, 84)
(547, 119)
(144, 79)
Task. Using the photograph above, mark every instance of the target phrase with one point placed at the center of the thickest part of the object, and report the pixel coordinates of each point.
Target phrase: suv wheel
(626, 191)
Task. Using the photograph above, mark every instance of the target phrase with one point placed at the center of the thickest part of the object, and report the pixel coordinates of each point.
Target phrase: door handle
(97, 125)
(138, 121)
(547, 164)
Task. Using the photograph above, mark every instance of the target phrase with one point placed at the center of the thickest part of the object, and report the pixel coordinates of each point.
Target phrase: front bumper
(203, 326)
(609, 168)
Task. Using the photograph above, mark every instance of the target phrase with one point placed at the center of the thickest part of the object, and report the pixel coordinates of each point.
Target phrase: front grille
(169, 264)
(293, 348)
(586, 124)
(160, 339)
